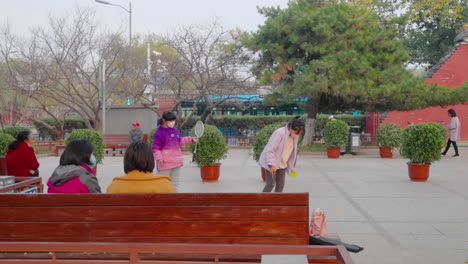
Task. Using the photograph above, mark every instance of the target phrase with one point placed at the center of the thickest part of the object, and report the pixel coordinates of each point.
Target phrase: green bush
(262, 138)
(423, 143)
(13, 131)
(336, 134)
(240, 122)
(5, 140)
(212, 147)
(259, 122)
(389, 135)
(151, 136)
(94, 137)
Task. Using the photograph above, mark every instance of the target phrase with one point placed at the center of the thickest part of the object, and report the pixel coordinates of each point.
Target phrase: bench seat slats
(154, 213)
(156, 228)
(192, 240)
(167, 199)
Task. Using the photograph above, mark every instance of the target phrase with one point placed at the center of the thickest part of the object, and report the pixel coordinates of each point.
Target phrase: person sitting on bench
(75, 174)
(138, 166)
(20, 158)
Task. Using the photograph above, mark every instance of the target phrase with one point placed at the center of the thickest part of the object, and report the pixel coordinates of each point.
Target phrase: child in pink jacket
(279, 155)
(166, 147)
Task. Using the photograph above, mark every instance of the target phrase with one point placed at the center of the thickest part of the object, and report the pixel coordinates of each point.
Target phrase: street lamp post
(150, 86)
(129, 11)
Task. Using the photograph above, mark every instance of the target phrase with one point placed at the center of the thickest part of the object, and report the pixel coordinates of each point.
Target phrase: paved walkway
(368, 201)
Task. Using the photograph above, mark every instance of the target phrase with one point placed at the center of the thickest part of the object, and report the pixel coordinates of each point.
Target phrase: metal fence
(45, 147)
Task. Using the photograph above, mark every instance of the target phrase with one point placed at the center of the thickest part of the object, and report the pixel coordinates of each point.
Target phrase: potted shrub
(5, 140)
(210, 150)
(336, 137)
(261, 139)
(94, 137)
(388, 137)
(422, 145)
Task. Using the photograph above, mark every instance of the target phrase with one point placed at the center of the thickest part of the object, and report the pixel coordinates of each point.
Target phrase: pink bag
(318, 225)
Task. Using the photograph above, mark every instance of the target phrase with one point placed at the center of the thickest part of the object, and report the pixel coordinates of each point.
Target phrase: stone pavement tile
(376, 249)
(434, 256)
(336, 208)
(393, 189)
(457, 186)
(315, 189)
(363, 176)
(218, 187)
(453, 230)
(414, 209)
(405, 228)
(306, 174)
(345, 165)
(431, 242)
(350, 227)
(352, 172)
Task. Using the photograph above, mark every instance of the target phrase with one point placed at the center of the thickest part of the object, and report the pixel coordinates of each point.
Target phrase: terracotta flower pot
(3, 169)
(263, 173)
(210, 173)
(333, 153)
(418, 172)
(386, 152)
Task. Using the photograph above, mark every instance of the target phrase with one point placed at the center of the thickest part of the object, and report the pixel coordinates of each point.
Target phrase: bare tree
(215, 64)
(64, 58)
(15, 95)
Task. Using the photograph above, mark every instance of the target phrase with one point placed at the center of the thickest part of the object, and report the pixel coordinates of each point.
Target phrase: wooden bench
(114, 145)
(157, 227)
(24, 184)
(119, 139)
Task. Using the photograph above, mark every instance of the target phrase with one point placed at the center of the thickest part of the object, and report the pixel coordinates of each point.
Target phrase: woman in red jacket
(20, 158)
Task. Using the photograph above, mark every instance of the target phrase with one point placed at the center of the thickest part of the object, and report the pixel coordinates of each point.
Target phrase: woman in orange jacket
(139, 178)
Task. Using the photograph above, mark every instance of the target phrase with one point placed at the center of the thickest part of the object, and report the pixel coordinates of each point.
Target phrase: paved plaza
(368, 201)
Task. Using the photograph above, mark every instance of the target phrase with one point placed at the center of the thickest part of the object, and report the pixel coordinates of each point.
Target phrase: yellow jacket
(141, 182)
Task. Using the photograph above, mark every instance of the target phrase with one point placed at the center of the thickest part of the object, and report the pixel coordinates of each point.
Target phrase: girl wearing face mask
(166, 147)
(279, 155)
(75, 173)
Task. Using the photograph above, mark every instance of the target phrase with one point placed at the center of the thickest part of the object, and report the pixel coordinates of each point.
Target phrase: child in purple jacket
(166, 147)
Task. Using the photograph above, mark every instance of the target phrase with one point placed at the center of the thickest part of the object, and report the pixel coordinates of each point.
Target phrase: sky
(148, 16)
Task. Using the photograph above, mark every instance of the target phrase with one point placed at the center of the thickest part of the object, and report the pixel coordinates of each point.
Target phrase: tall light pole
(129, 11)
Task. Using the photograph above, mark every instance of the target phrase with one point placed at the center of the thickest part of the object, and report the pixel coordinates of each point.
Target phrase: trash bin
(354, 142)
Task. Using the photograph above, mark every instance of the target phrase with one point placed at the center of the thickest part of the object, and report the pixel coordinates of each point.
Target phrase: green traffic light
(129, 101)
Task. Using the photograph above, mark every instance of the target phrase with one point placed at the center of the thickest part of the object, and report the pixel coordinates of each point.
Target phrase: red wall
(165, 103)
(452, 74)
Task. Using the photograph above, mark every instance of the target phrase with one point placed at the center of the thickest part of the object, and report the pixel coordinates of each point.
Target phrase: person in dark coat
(135, 134)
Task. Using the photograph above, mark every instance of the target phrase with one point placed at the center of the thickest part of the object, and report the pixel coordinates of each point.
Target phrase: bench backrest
(242, 218)
(120, 139)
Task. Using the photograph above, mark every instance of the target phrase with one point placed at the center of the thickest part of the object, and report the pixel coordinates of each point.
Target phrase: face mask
(171, 124)
(93, 161)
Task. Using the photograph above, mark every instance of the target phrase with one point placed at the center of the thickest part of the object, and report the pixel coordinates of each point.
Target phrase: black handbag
(316, 240)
